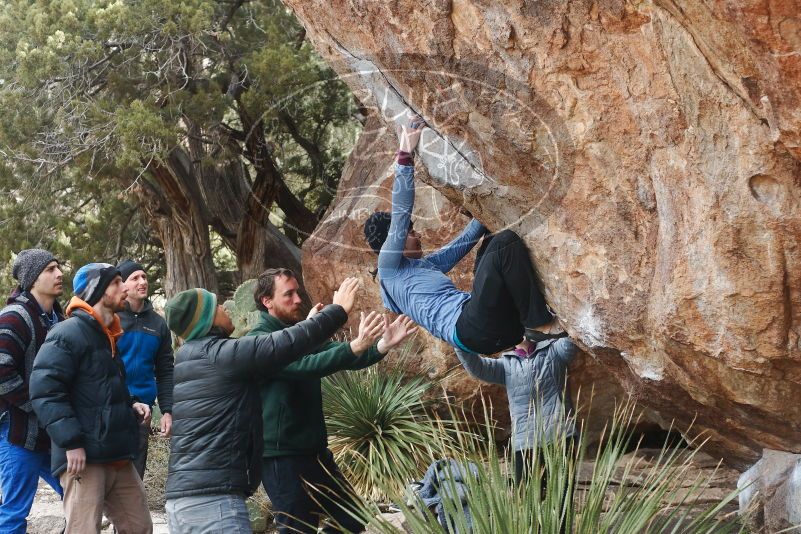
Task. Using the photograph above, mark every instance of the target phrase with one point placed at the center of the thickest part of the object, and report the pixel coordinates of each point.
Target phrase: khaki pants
(119, 492)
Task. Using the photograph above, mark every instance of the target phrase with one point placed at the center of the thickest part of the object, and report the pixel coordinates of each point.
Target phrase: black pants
(506, 297)
(524, 462)
(296, 506)
(140, 460)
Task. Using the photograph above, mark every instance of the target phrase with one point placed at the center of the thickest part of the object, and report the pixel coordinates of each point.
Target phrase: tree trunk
(188, 194)
(187, 255)
(263, 247)
(176, 215)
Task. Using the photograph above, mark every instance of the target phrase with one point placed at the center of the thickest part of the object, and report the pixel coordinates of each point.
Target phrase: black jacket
(78, 392)
(216, 440)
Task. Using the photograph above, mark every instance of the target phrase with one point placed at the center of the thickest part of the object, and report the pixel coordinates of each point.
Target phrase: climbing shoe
(535, 336)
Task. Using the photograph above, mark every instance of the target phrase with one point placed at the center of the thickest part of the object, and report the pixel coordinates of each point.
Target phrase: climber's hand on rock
(410, 135)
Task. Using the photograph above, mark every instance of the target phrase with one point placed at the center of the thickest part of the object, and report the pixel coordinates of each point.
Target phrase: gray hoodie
(535, 387)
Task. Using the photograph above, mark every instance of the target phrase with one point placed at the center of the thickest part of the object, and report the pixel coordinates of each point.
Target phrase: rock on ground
(771, 489)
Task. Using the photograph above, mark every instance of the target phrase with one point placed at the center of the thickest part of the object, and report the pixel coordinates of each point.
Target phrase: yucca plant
(379, 428)
(660, 501)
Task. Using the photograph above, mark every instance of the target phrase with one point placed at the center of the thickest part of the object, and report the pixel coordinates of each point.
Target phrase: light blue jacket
(421, 288)
(535, 387)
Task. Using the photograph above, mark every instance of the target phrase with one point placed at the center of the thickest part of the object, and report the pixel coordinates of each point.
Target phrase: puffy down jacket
(78, 392)
(535, 387)
(216, 440)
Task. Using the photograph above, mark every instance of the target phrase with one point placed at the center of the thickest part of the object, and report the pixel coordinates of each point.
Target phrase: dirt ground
(47, 517)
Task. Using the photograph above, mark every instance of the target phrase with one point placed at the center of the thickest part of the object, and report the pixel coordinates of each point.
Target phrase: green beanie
(190, 313)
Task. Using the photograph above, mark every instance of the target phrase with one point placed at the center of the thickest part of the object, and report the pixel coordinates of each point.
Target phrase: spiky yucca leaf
(659, 502)
(378, 427)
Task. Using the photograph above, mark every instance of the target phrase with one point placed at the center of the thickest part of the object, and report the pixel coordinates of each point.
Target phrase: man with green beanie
(216, 444)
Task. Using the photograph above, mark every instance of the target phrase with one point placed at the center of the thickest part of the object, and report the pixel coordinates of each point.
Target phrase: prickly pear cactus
(242, 309)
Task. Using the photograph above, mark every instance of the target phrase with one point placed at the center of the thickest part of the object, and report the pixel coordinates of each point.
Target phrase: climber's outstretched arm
(402, 197)
(402, 205)
(452, 253)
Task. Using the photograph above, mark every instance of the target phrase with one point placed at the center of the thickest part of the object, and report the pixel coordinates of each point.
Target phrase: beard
(114, 304)
(288, 315)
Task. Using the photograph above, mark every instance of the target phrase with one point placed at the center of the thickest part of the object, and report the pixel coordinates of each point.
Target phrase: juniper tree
(206, 115)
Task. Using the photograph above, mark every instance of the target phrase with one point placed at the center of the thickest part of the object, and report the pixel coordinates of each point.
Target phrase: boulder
(337, 249)
(771, 491)
(649, 153)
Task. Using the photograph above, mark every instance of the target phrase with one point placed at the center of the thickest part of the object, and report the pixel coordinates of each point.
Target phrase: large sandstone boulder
(648, 151)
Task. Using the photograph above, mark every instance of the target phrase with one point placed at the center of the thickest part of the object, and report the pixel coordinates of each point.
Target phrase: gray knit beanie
(29, 265)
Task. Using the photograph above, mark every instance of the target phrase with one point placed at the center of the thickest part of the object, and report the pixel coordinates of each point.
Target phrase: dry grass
(158, 458)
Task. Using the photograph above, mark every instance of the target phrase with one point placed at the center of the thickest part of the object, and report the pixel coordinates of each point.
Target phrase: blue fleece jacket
(420, 288)
(146, 351)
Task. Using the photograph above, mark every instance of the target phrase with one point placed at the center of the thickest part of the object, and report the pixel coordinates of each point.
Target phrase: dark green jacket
(292, 401)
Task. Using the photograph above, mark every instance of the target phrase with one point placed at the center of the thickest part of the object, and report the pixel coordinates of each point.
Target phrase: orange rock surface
(649, 152)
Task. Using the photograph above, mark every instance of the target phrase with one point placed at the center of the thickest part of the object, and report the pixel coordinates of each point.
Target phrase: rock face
(337, 249)
(771, 491)
(650, 152)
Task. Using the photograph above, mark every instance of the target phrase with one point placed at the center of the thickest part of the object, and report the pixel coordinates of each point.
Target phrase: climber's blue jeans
(20, 470)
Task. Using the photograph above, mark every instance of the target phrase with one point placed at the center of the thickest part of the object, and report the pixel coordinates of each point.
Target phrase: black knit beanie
(127, 268)
(376, 229)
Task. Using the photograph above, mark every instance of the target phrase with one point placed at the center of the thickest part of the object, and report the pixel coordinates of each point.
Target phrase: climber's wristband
(405, 158)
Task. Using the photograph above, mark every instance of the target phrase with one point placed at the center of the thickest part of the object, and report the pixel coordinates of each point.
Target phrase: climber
(505, 303)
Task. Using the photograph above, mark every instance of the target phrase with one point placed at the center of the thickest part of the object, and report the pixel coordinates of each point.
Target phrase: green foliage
(94, 92)
(242, 308)
(660, 500)
(130, 81)
(79, 221)
(379, 428)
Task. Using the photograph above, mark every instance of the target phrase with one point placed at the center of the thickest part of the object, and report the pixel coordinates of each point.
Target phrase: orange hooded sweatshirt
(113, 332)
